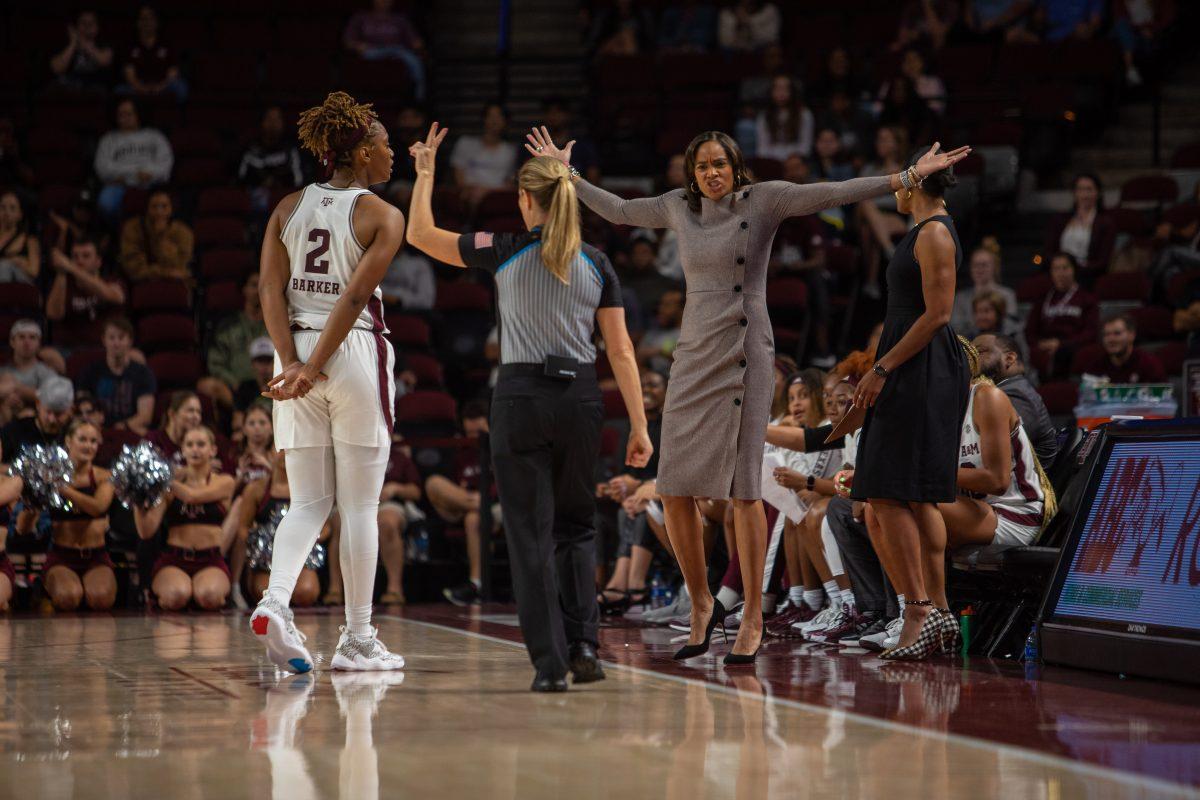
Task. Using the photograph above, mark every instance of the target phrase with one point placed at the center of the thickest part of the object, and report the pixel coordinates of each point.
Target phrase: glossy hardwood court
(185, 707)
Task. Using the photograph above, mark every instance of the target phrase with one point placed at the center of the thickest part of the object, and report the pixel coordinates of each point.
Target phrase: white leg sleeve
(311, 479)
(833, 556)
(360, 472)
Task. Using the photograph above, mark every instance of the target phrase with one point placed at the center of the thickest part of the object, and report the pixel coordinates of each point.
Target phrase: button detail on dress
(737, 401)
(737, 288)
(745, 225)
(742, 363)
(741, 260)
(745, 194)
(744, 322)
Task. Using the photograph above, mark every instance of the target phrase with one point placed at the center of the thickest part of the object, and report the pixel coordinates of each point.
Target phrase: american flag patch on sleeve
(483, 241)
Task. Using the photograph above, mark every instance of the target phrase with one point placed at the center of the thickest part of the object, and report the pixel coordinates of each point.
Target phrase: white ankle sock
(728, 597)
(796, 595)
(833, 593)
(477, 583)
(847, 599)
(812, 598)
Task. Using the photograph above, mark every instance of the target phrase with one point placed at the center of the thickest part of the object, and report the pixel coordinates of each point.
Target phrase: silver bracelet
(906, 180)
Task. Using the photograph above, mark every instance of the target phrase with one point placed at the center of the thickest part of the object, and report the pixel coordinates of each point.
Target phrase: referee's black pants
(545, 437)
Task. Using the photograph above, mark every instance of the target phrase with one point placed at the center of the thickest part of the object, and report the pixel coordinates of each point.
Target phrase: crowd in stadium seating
(135, 180)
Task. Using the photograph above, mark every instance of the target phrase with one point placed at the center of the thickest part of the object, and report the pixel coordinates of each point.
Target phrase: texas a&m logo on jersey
(326, 201)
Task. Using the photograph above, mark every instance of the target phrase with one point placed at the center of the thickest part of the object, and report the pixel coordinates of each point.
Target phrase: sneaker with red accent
(273, 624)
(849, 631)
(781, 626)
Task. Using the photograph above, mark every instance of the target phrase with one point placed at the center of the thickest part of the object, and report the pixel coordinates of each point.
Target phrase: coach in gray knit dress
(719, 395)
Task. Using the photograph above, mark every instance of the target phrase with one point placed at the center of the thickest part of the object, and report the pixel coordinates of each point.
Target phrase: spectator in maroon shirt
(1063, 321)
(1121, 362)
(382, 33)
(81, 295)
(151, 68)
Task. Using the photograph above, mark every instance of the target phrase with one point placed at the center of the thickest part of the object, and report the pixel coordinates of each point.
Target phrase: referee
(552, 291)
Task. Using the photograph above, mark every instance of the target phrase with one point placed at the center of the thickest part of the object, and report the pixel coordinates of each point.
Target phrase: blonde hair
(548, 181)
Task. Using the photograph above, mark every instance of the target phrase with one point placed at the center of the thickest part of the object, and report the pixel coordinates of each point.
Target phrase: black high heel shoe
(738, 660)
(693, 650)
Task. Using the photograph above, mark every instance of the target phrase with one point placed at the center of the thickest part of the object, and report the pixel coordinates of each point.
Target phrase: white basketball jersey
(324, 252)
(1022, 501)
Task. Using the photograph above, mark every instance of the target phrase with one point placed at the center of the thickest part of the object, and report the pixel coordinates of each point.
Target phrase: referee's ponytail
(548, 182)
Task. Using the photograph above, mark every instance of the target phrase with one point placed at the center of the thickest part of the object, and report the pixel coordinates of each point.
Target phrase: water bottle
(964, 625)
(657, 591)
(423, 546)
(1031, 646)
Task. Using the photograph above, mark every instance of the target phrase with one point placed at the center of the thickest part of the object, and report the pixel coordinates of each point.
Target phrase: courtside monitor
(1126, 593)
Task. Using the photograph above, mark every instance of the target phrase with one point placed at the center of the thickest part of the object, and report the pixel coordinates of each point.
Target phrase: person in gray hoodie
(130, 156)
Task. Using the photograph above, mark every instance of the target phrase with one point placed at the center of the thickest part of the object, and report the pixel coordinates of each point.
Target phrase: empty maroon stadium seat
(199, 171)
(610, 439)
(1123, 286)
(112, 440)
(506, 223)
(217, 201)
(375, 76)
(426, 413)
(787, 340)
(294, 74)
(225, 72)
(227, 264)
(234, 31)
(1182, 215)
(842, 259)
(57, 197)
(498, 203)
(1060, 397)
(408, 331)
(624, 72)
(6, 323)
(1172, 355)
(1150, 190)
(176, 370)
(160, 295)
(969, 64)
(1153, 322)
(677, 70)
(1130, 221)
(54, 141)
(157, 332)
(219, 232)
(463, 296)
(53, 168)
(223, 298)
(20, 298)
(193, 140)
(614, 404)
(787, 300)
(1187, 157)
(79, 359)
(1033, 288)
(427, 369)
(1177, 288)
(1086, 354)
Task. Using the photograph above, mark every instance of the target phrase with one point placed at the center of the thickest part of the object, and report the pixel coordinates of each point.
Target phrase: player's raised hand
(425, 153)
(540, 144)
(936, 161)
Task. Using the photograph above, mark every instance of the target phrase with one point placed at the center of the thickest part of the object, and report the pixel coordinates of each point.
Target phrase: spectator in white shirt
(486, 162)
(130, 156)
(786, 126)
(409, 281)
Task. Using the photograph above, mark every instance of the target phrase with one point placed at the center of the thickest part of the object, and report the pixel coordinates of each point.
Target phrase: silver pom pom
(44, 469)
(260, 544)
(141, 475)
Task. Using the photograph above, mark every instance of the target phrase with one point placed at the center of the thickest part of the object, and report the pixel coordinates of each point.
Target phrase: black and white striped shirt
(540, 315)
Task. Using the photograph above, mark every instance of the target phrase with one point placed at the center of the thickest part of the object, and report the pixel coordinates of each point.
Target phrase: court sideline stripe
(1136, 780)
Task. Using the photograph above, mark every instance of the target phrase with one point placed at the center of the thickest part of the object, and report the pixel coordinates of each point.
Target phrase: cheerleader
(191, 566)
(10, 490)
(261, 501)
(78, 569)
(254, 464)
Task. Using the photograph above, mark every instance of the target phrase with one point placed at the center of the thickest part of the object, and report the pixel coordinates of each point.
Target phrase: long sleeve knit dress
(719, 395)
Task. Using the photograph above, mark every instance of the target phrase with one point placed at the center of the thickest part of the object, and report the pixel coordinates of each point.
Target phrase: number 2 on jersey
(321, 237)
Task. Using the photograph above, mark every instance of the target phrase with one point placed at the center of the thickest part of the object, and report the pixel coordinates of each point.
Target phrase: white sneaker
(287, 703)
(364, 653)
(272, 622)
(887, 638)
(681, 608)
(363, 689)
(818, 623)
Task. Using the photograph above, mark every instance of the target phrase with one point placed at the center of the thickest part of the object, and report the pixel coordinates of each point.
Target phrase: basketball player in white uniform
(998, 471)
(325, 250)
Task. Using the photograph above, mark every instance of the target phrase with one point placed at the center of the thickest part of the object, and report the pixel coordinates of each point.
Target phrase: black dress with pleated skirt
(908, 449)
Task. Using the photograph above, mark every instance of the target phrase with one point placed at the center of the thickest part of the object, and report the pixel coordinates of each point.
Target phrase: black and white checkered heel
(928, 642)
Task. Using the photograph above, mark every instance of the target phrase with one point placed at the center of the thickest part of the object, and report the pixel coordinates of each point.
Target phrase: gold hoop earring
(908, 194)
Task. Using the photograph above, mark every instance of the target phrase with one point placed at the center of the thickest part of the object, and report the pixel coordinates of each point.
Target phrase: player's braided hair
(331, 130)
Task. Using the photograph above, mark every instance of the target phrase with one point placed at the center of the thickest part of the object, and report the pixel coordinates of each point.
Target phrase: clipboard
(852, 421)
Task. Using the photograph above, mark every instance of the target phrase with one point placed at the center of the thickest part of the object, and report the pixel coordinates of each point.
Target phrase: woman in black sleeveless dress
(915, 398)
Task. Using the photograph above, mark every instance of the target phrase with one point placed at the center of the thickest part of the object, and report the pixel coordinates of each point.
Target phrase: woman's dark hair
(785, 127)
(934, 185)
(741, 175)
(1094, 178)
(1070, 259)
(23, 223)
(332, 130)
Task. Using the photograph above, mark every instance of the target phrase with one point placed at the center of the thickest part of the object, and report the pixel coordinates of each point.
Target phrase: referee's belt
(585, 371)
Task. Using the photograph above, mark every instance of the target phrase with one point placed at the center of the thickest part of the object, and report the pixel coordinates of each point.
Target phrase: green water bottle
(964, 624)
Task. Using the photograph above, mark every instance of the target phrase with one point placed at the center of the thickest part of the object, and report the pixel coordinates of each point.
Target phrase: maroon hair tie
(329, 157)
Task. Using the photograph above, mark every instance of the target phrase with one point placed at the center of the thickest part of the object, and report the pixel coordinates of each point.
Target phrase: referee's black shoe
(585, 666)
(548, 683)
